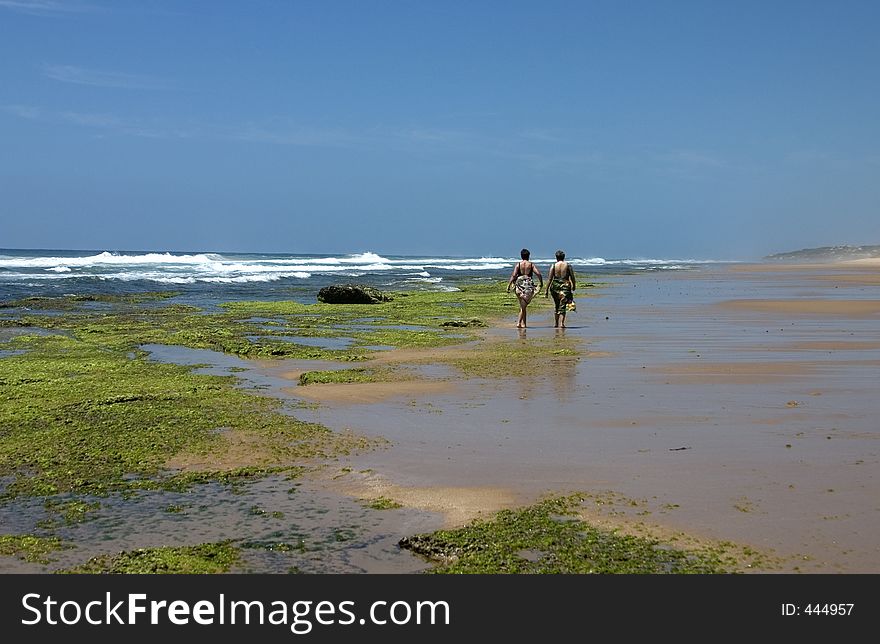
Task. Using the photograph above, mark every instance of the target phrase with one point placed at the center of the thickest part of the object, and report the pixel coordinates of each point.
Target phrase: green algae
(78, 415)
(336, 376)
(203, 559)
(421, 308)
(128, 326)
(72, 302)
(383, 503)
(68, 512)
(63, 401)
(233, 478)
(30, 548)
(474, 322)
(405, 339)
(270, 545)
(516, 358)
(87, 413)
(549, 538)
(127, 329)
(343, 376)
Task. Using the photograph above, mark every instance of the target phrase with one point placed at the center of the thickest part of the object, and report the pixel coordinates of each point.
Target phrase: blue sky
(696, 129)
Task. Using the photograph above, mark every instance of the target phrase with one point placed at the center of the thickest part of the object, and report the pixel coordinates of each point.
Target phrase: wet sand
(731, 404)
(369, 392)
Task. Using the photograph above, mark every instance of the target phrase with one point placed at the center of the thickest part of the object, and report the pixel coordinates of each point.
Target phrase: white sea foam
(14, 277)
(191, 268)
(189, 279)
(428, 280)
(160, 280)
(218, 265)
(470, 267)
(241, 279)
(640, 262)
(106, 258)
(362, 258)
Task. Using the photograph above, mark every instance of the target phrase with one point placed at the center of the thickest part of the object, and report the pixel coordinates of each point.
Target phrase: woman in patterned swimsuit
(561, 284)
(524, 285)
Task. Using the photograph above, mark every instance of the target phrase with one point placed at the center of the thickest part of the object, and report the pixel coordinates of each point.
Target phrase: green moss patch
(71, 302)
(81, 416)
(341, 376)
(549, 538)
(203, 559)
(69, 512)
(516, 358)
(86, 413)
(459, 311)
(31, 548)
(234, 478)
(383, 503)
(338, 376)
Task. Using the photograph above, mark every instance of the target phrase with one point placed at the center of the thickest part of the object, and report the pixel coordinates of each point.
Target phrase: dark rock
(351, 294)
(424, 545)
(471, 322)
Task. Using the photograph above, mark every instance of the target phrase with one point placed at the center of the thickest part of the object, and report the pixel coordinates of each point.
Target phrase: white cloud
(46, 7)
(96, 121)
(692, 158)
(98, 78)
(24, 111)
(290, 135)
(543, 136)
(113, 123)
(408, 140)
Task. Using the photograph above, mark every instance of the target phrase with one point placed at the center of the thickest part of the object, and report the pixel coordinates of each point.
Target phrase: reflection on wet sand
(720, 420)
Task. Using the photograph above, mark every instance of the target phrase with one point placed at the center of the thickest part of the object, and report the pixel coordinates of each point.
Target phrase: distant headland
(826, 254)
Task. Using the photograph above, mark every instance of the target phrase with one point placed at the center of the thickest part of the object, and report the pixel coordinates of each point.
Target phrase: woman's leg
(522, 312)
(556, 297)
(565, 297)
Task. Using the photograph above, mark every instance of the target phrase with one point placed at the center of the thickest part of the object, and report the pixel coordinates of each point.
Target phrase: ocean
(204, 278)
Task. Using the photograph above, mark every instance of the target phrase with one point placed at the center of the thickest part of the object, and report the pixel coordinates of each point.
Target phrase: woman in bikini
(524, 285)
(561, 284)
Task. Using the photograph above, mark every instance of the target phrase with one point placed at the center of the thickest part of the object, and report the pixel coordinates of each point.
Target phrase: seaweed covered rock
(463, 323)
(351, 294)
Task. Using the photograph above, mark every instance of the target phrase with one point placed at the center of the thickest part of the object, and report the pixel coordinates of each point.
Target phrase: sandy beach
(736, 403)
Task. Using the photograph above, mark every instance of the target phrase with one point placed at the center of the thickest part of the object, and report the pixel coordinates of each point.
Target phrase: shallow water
(7, 334)
(280, 524)
(332, 343)
(216, 363)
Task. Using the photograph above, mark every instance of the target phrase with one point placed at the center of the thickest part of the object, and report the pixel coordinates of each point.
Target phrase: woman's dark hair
(560, 255)
(524, 253)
